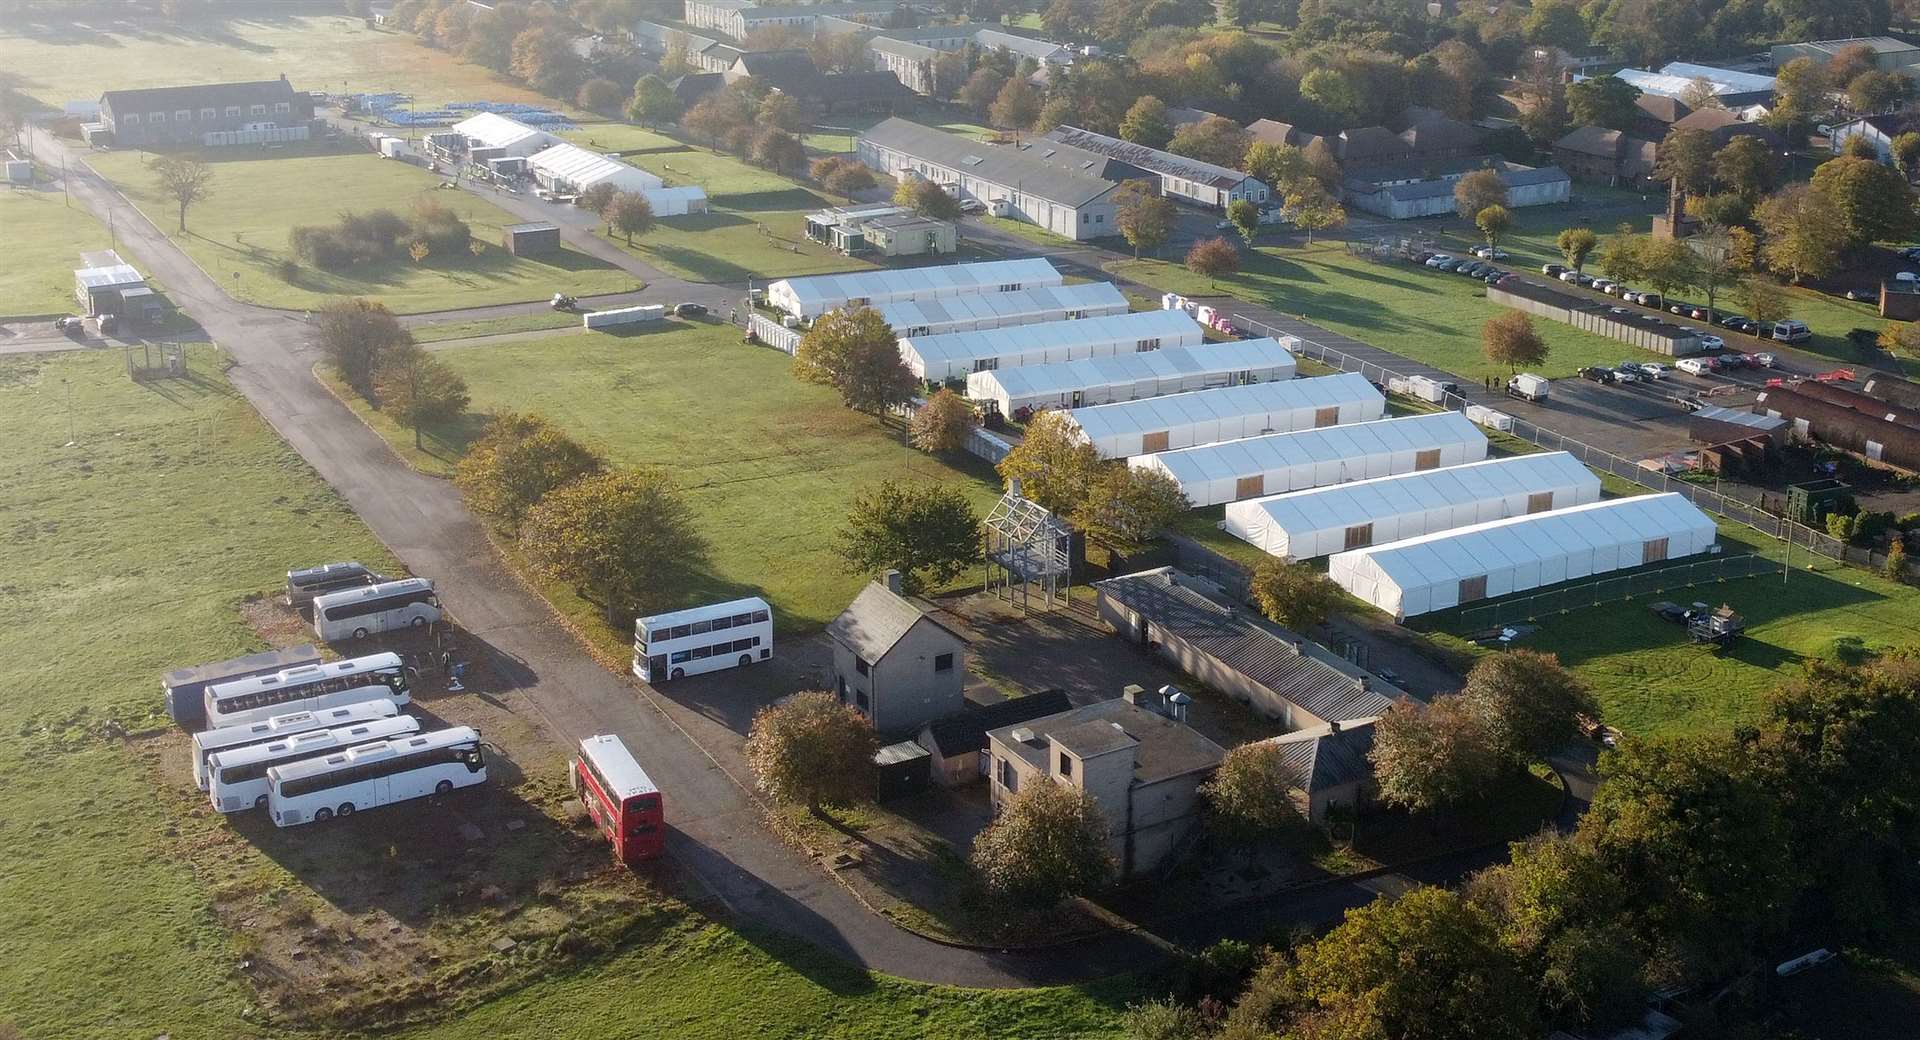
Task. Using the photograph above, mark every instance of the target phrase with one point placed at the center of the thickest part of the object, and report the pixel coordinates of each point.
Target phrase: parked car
(1749, 326)
(1552, 270)
(1437, 259)
(1731, 321)
(1765, 360)
(1712, 344)
(1471, 268)
(1494, 274)
(1570, 277)
(1682, 309)
(563, 302)
(1695, 366)
(1585, 280)
(1791, 331)
(1861, 294)
(1595, 373)
(690, 310)
(1619, 312)
(1650, 299)
(1421, 257)
(1628, 366)
(1699, 314)
(1732, 359)
(1624, 374)
(1490, 253)
(1449, 264)
(1653, 370)
(1910, 253)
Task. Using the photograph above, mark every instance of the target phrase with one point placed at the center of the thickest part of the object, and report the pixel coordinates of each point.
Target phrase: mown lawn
(1413, 311)
(128, 554)
(678, 162)
(741, 237)
(43, 237)
(240, 234)
(537, 321)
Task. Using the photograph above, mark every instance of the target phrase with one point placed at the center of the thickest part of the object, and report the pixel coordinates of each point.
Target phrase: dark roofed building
(1272, 131)
(793, 73)
(958, 742)
(1424, 187)
(1657, 113)
(1435, 135)
(1327, 766)
(693, 86)
(1179, 176)
(1723, 126)
(1595, 153)
(162, 116)
(1369, 144)
(1064, 189)
(777, 69)
(894, 662)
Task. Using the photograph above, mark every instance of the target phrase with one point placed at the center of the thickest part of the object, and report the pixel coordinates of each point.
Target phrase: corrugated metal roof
(832, 290)
(1014, 308)
(1038, 49)
(1294, 669)
(1154, 159)
(1244, 458)
(1143, 366)
(1162, 413)
(952, 348)
(1322, 758)
(1057, 173)
(1737, 417)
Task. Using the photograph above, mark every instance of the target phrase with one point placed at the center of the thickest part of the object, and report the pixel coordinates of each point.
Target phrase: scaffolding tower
(1029, 553)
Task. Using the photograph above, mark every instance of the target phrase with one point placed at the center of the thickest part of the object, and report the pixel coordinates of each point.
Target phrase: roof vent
(1022, 734)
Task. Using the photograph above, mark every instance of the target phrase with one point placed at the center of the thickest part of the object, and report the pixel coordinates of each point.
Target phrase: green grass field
(240, 234)
(43, 237)
(1413, 311)
(535, 322)
(769, 464)
(678, 162)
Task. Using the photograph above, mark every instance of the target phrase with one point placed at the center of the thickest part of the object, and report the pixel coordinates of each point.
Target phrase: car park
(1595, 373)
(1694, 366)
(1682, 309)
(1749, 326)
(1585, 280)
(1447, 265)
(1700, 314)
(1436, 259)
(1753, 361)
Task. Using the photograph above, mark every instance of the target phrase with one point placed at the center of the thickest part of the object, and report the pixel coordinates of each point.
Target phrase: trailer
(184, 688)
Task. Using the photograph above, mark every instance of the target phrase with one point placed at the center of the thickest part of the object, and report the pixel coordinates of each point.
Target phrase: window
(233, 111)
(1010, 287)
(1248, 487)
(208, 115)
(1328, 416)
(860, 700)
(1066, 766)
(1427, 459)
(1359, 536)
(1148, 344)
(1472, 589)
(1155, 441)
(258, 110)
(1008, 778)
(283, 107)
(133, 119)
(183, 115)
(1654, 550)
(943, 662)
(860, 665)
(156, 117)
(1539, 502)
(986, 364)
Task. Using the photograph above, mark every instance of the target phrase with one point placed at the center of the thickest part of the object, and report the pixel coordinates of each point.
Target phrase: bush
(380, 235)
(1220, 971)
(289, 270)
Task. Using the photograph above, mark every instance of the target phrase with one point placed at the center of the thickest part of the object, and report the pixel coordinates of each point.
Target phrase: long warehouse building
(1301, 525)
(1215, 473)
(1130, 377)
(956, 355)
(1119, 431)
(816, 295)
(1450, 568)
(1001, 309)
(1881, 440)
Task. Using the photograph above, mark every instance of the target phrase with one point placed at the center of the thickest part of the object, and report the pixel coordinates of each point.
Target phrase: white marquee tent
(1281, 462)
(1446, 569)
(1301, 525)
(512, 137)
(998, 310)
(955, 355)
(1129, 377)
(814, 296)
(676, 202)
(571, 168)
(1227, 413)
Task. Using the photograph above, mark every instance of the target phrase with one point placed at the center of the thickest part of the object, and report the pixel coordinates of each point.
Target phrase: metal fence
(767, 332)
(1677, 580)
(1742, 505)
(988, 446)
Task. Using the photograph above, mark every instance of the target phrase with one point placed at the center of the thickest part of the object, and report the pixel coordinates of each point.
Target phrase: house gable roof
(1662, 108)
(1370, 144)
(1593, 140)
(1324, 757)
(877, 620)
(1440, 133)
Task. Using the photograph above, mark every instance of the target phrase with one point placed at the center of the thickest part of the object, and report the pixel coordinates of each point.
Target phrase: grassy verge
(536, 322)
(743, 236)
(44, 238)
(240, 233)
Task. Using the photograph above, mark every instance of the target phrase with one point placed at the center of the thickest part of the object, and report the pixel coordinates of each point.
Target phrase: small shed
(19, 169)
(103, 280)
(534, 238)
(957, 743)
(900, 769)
(1716, 425)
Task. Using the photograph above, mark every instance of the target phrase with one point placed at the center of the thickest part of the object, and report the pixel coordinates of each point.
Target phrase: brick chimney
(892, 581)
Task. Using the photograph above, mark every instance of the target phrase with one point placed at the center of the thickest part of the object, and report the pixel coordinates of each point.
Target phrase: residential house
(210, 114)
(1889, 54)
(1603, 156)
(1327, 766)
(1135, 757)
(958, 742)
(1062, 189)
(1275, 132)
(1431, 134)
(910, 61)
(1178, 176)
(1723, 126)
(1424, 188)
(894, 663)
(1878, 131)
(1655, 114)
(1282, 675)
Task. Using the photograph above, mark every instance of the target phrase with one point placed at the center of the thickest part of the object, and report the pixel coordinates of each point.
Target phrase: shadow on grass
(763, 201)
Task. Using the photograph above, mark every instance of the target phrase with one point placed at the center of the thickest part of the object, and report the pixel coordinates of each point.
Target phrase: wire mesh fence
(1679, 579)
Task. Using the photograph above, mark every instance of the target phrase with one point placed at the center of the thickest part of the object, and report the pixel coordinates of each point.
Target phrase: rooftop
(1154, 159)
(1322, 758)
(967, 730)
(1163, 748)
(162, 99)
(877, 619)
(1057, 173)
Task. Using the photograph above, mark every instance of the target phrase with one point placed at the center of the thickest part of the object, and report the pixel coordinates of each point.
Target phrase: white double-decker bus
(214, 741)
(359, 613)
(310, 687)
(702, 639)
(318, 789)
(237, 778)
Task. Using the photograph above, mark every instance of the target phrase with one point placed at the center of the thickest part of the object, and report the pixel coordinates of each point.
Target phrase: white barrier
(623, 316)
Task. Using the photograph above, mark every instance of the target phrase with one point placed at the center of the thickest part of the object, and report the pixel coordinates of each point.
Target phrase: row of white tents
(567, 168)
(956, 355)
(816, 295)
(1230, 413)
(993, 310)
(1128, 377)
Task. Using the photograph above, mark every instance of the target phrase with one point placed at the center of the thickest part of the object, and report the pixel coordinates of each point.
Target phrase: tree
(949, 74)
(1875, 202)
(1335, 92)
(1215, 139)
(1528, 703)
(1313, 208)
(1356, 980)
(544, 58)
(182, 179)
(1510, 339)
(812, 750)
(855, 353)
(1292, 595)
(1720, 255)
(1806, 232)
(601, 95)
(849, 179)
(1477, 191)
(1146, 123)
(1249, 798)
(653, 102)
(1166, 1019)
(1125, 508)
(1858, 147)
(1144, 218)
(926, 198)
(1607, 101)
(515, 462)
(355, 336)
(630, 214)
(1877, 91)
(1322, 164)
(1620, 255)
(716, 116)
(1543, 103)
(419, 250)
(417, 389)
(1668, 264)
(778, 150)
(1699, 93)
(1575, 244)
(927, 532)
(1058, 110)
(1427, 758)
(1213, 257)
(1556, 23)
(625, 537)
(1244, 215)
(1016, 104)
(1901, 339)
(1055, 466)
(598, 199)
(1048, 842)
(1746, 166)
(943, 423)
(1276, 165)
(1764, 300)
(1800, 91)
(1493, 222)
(1685, 157)
(981, 90)
(782, 112)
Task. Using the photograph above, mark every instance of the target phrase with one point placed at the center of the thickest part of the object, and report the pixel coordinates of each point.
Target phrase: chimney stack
(1132, 694)
(1013, 487)
(892, 580)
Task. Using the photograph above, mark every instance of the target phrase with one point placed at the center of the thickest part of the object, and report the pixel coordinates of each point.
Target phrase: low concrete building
(1644, 329)
(1423, 188)
(1328, 768)
(1134, 757)
(958, 742)
(534, 238)
(1177, 176)
(894, 663)
(909, 234)
(1062, 189)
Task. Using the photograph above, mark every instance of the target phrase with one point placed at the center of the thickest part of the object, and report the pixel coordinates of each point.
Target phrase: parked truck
(1528, 387)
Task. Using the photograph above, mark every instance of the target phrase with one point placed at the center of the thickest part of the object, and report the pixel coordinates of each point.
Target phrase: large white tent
(1449, 568)
(676, 202)
(955, 355)
(998, 310)
(1226, 413)
(1214, 473)
(571, 168)
(816, 295)
(512, 137)
(1130, 377)
(1301, 525)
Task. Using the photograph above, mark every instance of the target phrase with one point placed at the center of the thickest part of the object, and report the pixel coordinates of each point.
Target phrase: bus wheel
(359, 633)
(260, 802)
(346, 809)
(322, 815)
(745, 660)
(418, 622)
(678, 673)
(444, 787)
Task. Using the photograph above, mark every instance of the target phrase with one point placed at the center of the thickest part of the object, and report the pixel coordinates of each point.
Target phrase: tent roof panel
(584, 168)
(1341, 505)
(1039, 300)
(953, 347)
(1280, 450)
(982, 276)
(493, 130)
(1159, 413)
(1166, 363)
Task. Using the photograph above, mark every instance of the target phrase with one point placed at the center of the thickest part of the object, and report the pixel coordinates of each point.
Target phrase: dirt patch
(273, 621)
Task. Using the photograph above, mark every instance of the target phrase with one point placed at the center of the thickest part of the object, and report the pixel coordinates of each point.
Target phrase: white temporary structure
(1449, 568)
(512, 137)
(1214, 473)
(1130, 377)
(998, 310)
(1129, 428)
(676, 202)
(816, 295)
(955, 355)
(571, 168)
(1300, 525)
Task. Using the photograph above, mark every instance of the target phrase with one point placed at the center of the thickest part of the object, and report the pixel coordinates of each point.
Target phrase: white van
(1791, 331)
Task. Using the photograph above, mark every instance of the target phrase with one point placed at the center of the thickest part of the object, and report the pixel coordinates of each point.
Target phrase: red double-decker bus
(620, 797)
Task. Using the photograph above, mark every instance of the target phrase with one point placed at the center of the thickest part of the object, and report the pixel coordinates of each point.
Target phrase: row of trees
(753, 122)
(530, 41)
(377, 357)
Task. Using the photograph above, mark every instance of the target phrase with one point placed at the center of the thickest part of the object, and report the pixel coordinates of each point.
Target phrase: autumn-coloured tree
(1249, 799)
(1294, 595)
(1439, 755)
(1494, 222)
(811, 750)
(854, 351)
(356, 336)
(1213, 257)
(630, 214)
(927, 532)
(601, 95)
(418, 390)
(515, 462)
(1510, 339)
(943, 423)
(1478, 190)
(1244, 215)
(1125, 508)
(1144, 218)
(1048, 842)
(626, 538)
(1528, 703)
(1575, 244)
(926, 198)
